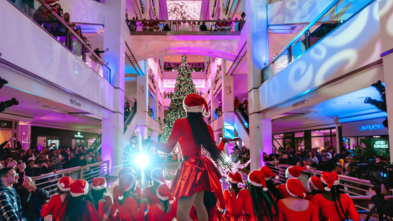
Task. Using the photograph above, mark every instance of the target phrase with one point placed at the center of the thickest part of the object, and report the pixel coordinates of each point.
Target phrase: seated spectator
(203, 27)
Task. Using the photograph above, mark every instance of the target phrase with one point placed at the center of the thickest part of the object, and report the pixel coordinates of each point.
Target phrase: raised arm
(211, 132)
(172, 140)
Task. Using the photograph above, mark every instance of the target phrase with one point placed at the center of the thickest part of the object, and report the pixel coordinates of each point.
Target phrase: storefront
(311, 139)
(360, 133)
(8, 131)
(42, 137)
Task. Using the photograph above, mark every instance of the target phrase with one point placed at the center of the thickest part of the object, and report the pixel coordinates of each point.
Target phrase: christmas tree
(183, 87)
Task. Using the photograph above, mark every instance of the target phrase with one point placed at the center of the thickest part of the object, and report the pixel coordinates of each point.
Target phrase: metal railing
(242, 120)
(46, 17)
(97, 143)
(130, 117)
(49, 181)
(186, 25)
(336, 14)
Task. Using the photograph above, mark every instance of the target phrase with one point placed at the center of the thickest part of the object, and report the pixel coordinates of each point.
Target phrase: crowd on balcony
(241, 106)
(195, 67)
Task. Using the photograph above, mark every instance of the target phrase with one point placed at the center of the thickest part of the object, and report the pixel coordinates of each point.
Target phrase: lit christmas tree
(183, 87)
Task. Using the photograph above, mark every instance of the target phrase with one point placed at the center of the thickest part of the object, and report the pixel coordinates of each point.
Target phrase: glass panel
(317, 142)
(299, 144)
(334, 142)
(334, 131)
(281, 62)
(299, 134)
(327, 143)
(298, 48)
(278, 143)
(278, 136)
(320, 133)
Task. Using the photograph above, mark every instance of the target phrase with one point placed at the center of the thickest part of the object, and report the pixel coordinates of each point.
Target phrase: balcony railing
(336, 14)
(219, 27)
(50, 19)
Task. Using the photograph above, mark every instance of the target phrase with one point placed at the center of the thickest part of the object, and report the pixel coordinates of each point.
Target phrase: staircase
(241, 126)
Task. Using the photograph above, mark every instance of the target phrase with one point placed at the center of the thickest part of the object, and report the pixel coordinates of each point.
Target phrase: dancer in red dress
(233, 210)
(291, 172)
(102, 202)
(314, 185)
(57, 201)
(149, 193)
(270, 184)
(76, 208)
(333, 205)
(129, 208)
(295, 207)
(165, 209)
(196, 173)
(137, 191)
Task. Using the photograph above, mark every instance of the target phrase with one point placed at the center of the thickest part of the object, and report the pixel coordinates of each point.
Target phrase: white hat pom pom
(171, 202)
(327, 189)
(277, 178)
(62, 185)
(206, 113)
(120, 197)
(308, 167)
(265, 189)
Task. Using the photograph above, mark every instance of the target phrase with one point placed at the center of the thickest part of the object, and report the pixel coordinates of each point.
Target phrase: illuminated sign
(371, 127)
(78, 135)
(381, 144)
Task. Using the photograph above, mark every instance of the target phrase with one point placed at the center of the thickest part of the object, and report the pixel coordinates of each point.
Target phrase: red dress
(129, 209)
(233, 209)
(138, 192)
(327, 209)
(283, 190)
(245, 203)
(90, 214)
(106, 209)
(196, 172)
(53, 206)
(151, 197)
(286, 214)
(155, 213)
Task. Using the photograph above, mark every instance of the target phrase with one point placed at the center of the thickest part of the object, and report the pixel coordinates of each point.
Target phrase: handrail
(242, 120)
(130, 117)
(74, 34)
(302, 32)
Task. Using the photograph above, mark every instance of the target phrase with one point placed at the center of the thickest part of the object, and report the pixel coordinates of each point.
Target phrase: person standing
(314, 185)
(237, 102)
(233, 211)
(10, 204)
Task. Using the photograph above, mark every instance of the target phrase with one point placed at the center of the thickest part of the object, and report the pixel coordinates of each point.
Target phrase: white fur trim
(268, 178)
(264, 189)
(162, 197)
(232, 181)
(311, 184)
(194, 109)
(288, 175)
(286, 187)
(120, 197)
(253, 183)
(308, 167)
(99, 187)
(206, 113)
(336, 183)
(327, 189)
(61, 187)
(171, 202)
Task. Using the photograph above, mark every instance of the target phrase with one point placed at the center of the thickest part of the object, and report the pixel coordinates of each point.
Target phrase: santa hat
(257, 178)
(295, 188)
(126, 170)
(235, 178)
(164, 193)
(126, 182)
(79, 188)
(157, 175)
(314, 182)
(98, 183)
(330, 179)
(195, 103)
(64, 183)
(268, 173)
(295, 171)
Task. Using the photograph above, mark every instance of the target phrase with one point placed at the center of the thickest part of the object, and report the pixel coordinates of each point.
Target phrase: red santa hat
(295, 171)
(257, 178)
(64, 183)
(295, 188)
(194, 103)
(79, 188)
(126, 182)
(98, 183)
(235, 178)
(268, 173)
(157, 175)
(126, 170)
(164, 193)
(314, 182)
(330, 179)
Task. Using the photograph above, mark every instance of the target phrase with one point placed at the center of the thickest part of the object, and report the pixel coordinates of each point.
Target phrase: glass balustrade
(49, 15)
(337, 13)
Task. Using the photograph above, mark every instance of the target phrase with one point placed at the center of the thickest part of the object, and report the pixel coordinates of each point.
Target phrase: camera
(6, 104)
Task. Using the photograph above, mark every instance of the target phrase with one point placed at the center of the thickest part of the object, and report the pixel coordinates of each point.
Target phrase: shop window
(299, 134)
(319, 133)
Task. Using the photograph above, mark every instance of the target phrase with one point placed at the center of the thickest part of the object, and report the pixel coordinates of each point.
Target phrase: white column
(338, 143)
(257, 56)
(385, 14)
(227, 103)
(143, 100)
(147, 9)
(113, 125)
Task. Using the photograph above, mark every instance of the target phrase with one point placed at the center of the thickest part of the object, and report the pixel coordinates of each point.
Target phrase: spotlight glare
(142, 161)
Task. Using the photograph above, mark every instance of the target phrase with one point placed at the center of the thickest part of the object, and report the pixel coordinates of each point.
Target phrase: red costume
(151, 197)
(327, 209)
(196, 172)
(283, 190)
(106, 209)
(155, 213)
(233, 211)
(245, 203)
(53, 206)
(290, 215)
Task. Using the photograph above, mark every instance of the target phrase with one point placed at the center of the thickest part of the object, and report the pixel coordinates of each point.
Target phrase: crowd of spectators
(242, 155)
(241, 106)
(128, 108)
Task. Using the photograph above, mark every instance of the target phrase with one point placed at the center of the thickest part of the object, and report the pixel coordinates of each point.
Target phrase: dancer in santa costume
(149, 193)
(291, 172)
(196, 173)
(76, 208)
(295, 207)
(314, 185)
(129, 208)
(269, 182)
(57, 201)
(101, 199)
(136, 192)
(333, 205)
(165, 209)
(233, 209)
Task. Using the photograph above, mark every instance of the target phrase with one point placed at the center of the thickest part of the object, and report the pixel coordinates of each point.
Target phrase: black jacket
(32, 202)
(386, 207)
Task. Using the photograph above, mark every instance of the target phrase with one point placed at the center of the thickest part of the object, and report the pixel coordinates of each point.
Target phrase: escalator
(241, 126)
